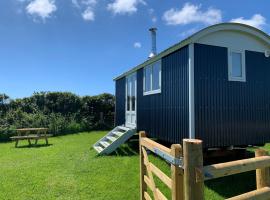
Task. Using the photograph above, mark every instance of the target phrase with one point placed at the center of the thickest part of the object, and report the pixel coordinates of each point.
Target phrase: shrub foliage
(61, 112)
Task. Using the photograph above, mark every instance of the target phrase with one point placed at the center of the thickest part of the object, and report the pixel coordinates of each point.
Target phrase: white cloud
(152, 15)
(154, 19)
(192, 14)
(89, 2)
(124, 6)
(78, 3)
(137, 45)
(88, 14)
(151, 11)
(75, 3)
(256, 20)
(87, 6)
(41, 8)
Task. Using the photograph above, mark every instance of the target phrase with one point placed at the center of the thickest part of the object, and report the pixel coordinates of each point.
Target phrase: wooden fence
(188, 173)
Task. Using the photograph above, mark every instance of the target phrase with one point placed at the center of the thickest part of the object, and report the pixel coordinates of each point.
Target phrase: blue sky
(81, 45)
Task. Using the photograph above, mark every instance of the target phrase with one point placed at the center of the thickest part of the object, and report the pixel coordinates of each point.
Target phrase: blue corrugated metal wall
(229, 112)
(120, 95)
(165, 115)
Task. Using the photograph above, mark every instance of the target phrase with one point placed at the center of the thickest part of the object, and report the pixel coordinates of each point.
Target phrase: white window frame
(151, 79)
(243, 62)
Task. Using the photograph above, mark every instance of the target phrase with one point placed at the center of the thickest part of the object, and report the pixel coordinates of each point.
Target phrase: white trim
(243, 65)
(136, 96)
(151, 91)
(143, 79)
(131, 112)
(191, 91)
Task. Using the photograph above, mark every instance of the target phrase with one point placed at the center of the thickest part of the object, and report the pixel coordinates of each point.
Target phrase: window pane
(147, 76)
(156, 74)
(133, 93)
(236, 64)
(128, 94)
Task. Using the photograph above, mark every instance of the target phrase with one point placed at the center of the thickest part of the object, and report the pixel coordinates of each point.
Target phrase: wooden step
(98, 148)
(112, 139)
(104, 144)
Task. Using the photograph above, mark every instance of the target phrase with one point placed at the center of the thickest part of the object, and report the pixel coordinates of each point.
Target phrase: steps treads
(112, 139)
(98, 148)
(118, 133)
(104, 144)
(123, 128)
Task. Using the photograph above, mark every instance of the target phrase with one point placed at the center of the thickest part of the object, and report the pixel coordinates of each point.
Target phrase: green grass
(69, 169)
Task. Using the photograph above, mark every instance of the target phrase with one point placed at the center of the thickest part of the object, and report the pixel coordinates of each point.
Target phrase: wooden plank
(149, 184)
(161, 175)
(177, 173)
(143, 186)
(262, 175)
(147, 196)
(30, 137)
(235, 167)
(160, 195)
(150, 144)
(193, 159)
(149, 172)
(260, 194)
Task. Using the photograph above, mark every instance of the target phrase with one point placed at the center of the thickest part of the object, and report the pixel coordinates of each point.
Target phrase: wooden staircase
(113, 140)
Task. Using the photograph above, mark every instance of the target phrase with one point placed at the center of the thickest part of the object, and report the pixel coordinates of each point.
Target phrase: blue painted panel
(120, 95)
(230, 112)
(165, 115)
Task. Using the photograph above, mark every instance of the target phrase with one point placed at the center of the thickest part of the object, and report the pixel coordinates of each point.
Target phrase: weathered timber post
(262, 175)
(177, 174)
(143, 186)
(193, 165)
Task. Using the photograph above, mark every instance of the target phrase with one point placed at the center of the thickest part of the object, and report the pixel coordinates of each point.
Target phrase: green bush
(61, 112)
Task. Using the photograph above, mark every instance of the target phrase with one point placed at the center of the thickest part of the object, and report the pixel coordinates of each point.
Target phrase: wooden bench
(24, 134)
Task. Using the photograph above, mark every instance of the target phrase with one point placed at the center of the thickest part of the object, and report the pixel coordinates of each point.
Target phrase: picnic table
(31, 134)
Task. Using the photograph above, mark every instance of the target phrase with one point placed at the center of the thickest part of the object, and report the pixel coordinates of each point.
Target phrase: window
(152, 78)
(237, 69)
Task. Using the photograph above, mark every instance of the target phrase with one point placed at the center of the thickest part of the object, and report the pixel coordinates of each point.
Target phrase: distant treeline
(61, 112)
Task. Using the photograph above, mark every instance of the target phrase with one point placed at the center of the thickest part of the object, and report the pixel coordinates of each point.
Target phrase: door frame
(130, 112)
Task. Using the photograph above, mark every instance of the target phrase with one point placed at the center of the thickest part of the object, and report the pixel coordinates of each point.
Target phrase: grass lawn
(69, 169)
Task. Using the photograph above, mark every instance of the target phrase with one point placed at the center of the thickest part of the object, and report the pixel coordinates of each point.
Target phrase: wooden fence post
(177, 174)
(143, 186)
(193, 165)
(262, 175)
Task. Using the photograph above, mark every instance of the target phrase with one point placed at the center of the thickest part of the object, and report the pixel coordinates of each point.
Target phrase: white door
(131, 100)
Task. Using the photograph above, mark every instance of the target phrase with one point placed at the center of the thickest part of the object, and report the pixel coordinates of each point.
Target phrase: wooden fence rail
(188, 173)
(149, 170)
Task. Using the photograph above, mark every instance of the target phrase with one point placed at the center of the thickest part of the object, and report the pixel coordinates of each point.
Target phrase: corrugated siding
(120, 95)
(230, 112)
(165, 115)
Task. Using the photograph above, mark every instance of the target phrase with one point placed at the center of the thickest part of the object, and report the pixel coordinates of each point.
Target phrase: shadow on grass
(33, 146)
(130, 148)
(234, 185)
